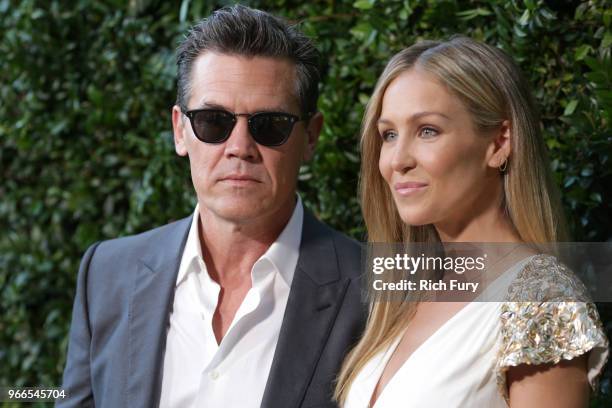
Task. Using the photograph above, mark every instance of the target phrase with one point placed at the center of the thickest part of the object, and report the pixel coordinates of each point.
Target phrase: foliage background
(86, 149)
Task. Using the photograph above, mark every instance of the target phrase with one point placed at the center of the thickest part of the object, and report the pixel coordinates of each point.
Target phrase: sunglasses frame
(250, 116)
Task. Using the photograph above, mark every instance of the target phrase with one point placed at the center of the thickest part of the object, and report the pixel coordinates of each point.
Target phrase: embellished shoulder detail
(546, 318)
(545, 279)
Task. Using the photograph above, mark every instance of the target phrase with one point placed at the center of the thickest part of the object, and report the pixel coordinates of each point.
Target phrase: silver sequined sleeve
(539, 332)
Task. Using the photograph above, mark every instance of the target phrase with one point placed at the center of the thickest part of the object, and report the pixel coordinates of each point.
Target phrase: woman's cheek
(384, 164)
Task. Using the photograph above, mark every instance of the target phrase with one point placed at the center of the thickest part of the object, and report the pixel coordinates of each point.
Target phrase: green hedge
(87, 149)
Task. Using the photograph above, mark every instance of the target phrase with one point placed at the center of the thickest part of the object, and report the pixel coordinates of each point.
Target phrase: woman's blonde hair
(493, 90)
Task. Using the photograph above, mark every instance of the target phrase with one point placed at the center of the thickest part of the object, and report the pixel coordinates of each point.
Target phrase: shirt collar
(193, 251)
(283, 254)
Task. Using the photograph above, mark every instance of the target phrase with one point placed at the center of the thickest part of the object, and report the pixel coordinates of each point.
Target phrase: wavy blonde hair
(492, 88)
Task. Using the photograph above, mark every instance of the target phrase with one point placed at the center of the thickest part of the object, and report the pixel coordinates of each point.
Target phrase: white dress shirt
(197, 371)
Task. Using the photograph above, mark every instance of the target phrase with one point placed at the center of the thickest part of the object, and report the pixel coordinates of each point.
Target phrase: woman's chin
(415, 219)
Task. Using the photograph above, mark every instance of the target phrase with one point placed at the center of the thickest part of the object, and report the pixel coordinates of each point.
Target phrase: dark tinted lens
(212, 126)
(271, 129)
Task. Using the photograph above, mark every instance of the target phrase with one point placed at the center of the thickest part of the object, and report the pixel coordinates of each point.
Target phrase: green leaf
(607, 40)
(362, 30)
(596, 197)
(352, 156)
(524, 18)
(553, 143)
(520, 33)
(473, 13)
(569, 181)
(570, 107)
(587, 172)
(184, 10)
(364, 4)
(580, 11)
(607, 17)
(582, 51)
(547, 14)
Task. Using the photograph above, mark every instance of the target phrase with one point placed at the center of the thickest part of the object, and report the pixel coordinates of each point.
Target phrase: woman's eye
(388, 135)
(428, 132)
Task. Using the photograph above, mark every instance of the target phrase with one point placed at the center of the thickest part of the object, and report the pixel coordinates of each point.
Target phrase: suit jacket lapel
(316, 295)
(150, 306)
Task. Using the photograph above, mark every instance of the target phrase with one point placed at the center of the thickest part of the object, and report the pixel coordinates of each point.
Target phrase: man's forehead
(216, 77)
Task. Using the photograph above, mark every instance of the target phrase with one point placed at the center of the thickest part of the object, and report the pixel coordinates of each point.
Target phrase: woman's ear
(501, 146)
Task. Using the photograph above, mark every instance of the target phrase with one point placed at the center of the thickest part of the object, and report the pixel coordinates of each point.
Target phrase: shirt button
(214, 374)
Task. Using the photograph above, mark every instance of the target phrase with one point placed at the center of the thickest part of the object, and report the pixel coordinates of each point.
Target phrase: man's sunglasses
(267, 128)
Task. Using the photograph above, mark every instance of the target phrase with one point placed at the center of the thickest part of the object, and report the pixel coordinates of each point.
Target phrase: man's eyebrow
(270, 108)
(414, 116)
(211, 105)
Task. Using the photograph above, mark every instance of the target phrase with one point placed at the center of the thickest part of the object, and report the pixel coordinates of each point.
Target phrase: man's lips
(239, 179)
(409, 187)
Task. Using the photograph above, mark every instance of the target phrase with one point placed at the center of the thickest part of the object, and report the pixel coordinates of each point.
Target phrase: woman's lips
(409, 187)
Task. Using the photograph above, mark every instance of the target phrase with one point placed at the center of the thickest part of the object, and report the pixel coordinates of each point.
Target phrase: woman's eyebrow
(414, 116)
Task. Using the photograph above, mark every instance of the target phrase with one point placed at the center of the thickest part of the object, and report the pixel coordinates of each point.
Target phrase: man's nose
(403, 158)
(240, 143)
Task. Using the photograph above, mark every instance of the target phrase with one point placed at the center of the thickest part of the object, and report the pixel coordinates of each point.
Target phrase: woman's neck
(490, 225)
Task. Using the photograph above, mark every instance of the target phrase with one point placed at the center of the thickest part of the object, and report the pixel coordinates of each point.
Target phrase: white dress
(463, 363)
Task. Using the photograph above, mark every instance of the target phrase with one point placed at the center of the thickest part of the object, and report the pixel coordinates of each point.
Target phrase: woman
(452, 152)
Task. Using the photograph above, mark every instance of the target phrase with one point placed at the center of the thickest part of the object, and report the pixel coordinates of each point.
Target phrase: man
(251, 301)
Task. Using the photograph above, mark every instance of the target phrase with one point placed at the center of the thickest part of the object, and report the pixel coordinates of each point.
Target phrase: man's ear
(501, 146)
(313, 131)
(178, 127)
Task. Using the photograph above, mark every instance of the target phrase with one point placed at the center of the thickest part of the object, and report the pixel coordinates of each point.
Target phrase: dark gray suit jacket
(124, 297)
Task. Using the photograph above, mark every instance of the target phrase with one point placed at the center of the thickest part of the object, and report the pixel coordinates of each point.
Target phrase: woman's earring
(503, 166)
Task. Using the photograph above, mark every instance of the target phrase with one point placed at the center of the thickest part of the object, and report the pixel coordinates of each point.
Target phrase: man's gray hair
(240, 30)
